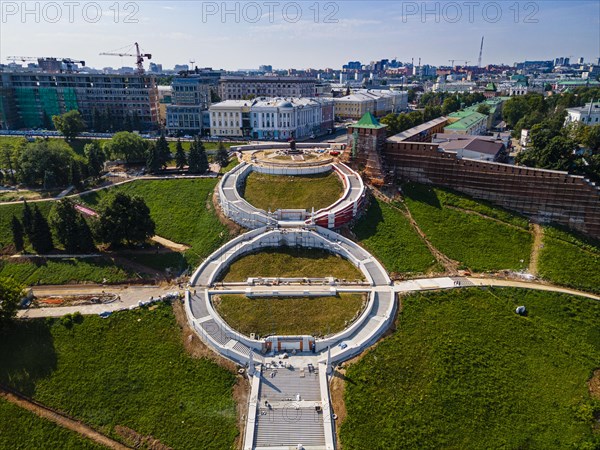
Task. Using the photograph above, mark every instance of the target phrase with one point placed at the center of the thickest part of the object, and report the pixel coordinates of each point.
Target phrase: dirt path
(137, 267)
(450, 266)
(538, 237)
(538, 286)
(60, 419)
(170, 244)
(484, 216)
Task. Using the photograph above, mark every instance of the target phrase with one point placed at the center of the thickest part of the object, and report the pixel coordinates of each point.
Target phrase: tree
(11, 294)
(18, 234)
(127, 146)
(41, 238)
(180, 158)
(163, 151)
(214, 96)
(69, 124)
(70, 228)
(450, 105)
(46, 122)
(95, 157)
(557, 154)
(484, 109)
(592, 138)
(153, 159)
(197, 160)
(123, 219)
(46, 163)
(513, 110)
(391, 120)
(222, 156)
(85, 237)
(7, 156)
(27, 219)
(431, 112)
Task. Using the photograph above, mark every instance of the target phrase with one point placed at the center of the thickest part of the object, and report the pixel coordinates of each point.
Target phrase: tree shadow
(367, 226)
(27, 354)
(422, 193)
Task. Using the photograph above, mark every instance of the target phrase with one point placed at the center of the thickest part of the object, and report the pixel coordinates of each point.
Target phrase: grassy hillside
(462, 370)
(389, 236)
(22, 429)
(129, 370)
(486, 239)
(182, 210)
(568, 260)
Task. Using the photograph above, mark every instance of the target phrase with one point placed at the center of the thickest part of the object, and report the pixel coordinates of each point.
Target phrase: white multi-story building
(241, 87)
(377, 102)
(272, 118)
(588, 114)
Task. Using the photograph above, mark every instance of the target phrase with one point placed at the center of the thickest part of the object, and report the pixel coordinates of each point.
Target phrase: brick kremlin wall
(544, 195)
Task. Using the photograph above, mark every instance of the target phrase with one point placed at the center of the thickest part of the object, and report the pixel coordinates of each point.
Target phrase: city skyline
(239, 35)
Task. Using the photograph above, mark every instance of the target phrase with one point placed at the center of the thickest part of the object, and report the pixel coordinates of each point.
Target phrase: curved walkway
(290, 373)
(243, 213)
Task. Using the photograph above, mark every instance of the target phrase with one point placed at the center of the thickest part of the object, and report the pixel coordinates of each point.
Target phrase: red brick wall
(544, 196)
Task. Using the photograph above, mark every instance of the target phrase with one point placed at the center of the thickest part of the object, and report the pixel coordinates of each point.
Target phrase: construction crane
(68, 62)
(139, 62)
(480, 52)
(451, 61)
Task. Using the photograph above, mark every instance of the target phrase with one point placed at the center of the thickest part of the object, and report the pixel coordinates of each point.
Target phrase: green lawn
(129, 370)
(478, 243)
(389, 236)
(182, 210)
(570, 261)
(463, 371)
(457, 200)
(22, 429)
(320, 315)
(292, 192)
(291, 263)
(68, 270)
(233, 162)
(173, 261)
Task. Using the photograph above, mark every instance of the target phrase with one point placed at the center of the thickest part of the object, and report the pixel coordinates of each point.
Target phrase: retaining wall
(546, 196)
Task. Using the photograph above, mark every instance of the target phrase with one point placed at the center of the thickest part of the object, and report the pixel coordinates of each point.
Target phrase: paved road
(129, 297)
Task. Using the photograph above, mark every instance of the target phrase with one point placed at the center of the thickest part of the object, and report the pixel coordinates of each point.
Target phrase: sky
(300, 34)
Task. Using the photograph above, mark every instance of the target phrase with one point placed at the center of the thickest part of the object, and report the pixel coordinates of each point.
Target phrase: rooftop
(475, 144)
(368, 121)
(466, 122)
(406, 135)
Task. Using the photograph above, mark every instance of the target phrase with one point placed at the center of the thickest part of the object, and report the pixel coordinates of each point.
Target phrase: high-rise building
(190, 96)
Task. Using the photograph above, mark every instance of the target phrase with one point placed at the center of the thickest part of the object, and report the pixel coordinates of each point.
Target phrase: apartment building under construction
(29, 99)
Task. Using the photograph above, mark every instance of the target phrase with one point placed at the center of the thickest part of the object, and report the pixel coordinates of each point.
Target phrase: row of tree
(158, 155)
(450, 102)
(574, 148)
(49, 163)
(52, 163)
(122, 219)
(433, 106)
(71, 123)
